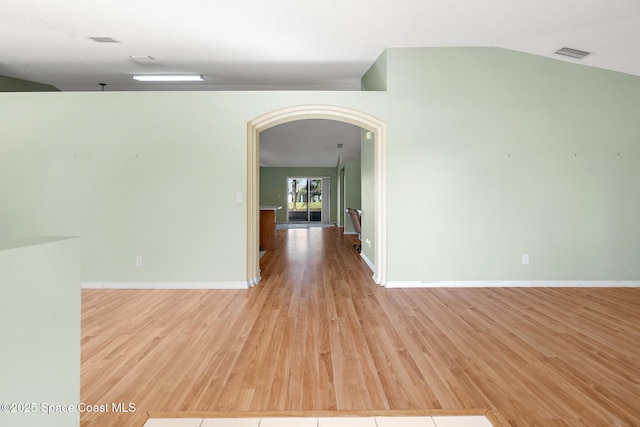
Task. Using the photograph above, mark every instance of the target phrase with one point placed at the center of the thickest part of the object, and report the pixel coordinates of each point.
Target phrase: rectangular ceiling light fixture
(169, 78)
(574, 53)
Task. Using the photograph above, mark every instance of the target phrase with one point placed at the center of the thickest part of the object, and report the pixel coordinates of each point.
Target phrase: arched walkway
(330, 112)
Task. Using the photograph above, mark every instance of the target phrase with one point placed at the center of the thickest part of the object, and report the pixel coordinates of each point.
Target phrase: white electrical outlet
(525, 259)
(239, 197)
(139, 260)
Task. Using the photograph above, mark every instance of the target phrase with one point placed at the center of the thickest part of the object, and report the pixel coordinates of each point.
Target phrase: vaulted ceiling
(289, 44)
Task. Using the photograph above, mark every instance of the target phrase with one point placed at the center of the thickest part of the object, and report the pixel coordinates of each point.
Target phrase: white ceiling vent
(103, 39)
(574, 53)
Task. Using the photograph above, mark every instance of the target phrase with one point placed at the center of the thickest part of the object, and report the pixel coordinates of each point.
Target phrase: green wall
(151, 174)
(367, 197)
(341, 191)
(10, 84)
(351, 197)
(491, 154)
(40, 330)
(273, 187)
(376, 77)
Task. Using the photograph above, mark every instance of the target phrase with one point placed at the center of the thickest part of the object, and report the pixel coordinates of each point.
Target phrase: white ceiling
(290, 44)
(312, 142)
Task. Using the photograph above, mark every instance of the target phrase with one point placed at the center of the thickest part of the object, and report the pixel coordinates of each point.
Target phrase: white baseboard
(516, 284)
(368, 261)
(164, 285)
(388, 284)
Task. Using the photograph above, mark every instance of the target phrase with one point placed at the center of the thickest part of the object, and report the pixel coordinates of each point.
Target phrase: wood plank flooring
(318, 335)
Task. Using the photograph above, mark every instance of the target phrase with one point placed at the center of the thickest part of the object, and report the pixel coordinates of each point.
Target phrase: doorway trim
(330, 112)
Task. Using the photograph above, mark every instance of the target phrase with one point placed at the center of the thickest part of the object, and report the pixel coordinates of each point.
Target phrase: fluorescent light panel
(104, 39)
(141, 58)
(169, 78)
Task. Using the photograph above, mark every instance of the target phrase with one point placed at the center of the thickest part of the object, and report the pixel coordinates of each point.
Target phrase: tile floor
(439, 421)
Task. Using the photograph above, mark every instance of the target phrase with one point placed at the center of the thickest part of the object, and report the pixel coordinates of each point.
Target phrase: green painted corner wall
(273, 187)
(40, 330)
(341, 191)
(352, 194)
(368, 197)
(11, 84)
(376, 76)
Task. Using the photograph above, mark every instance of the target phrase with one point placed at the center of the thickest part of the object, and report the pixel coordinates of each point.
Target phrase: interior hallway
(318, 335)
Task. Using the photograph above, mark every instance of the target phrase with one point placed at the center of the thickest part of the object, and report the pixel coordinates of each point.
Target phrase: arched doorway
(330, 112)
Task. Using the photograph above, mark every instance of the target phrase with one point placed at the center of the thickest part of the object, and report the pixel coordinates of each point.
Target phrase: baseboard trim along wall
(516, 284)
(368, 261)
(164, 285)
(389, 284)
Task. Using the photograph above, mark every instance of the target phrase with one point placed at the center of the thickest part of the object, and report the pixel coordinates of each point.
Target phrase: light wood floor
(318, 335)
